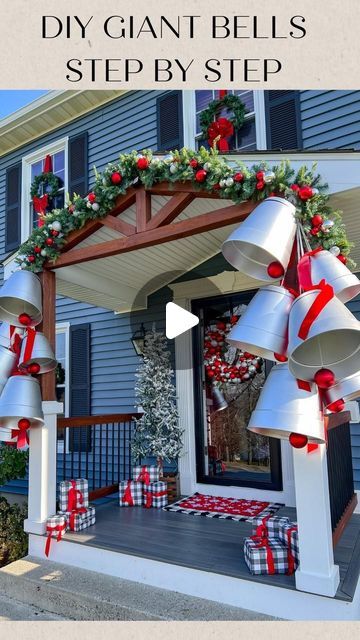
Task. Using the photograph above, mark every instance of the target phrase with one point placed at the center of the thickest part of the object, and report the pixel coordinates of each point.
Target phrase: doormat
(236, 509)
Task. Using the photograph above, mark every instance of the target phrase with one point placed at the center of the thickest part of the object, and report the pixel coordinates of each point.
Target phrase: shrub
(13, 539)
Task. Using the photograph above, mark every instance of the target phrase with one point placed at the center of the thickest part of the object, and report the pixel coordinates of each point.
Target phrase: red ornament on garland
(295, 187)
(142, 163)
(260, 185)
(54, 233)
(37, 249)
(91, 197)
(342, 258)
(305, 193)
(260, 175)
(317, 221)
(116, 177)
(49, 242)
(234, 319)
(275, 270)
(314, 231)
(200, 176)
(337, 406)
(24, 319)
(297, 440)
(324, 378)
(33, 368)
(31, 258)
(193, 163)
(239, 177)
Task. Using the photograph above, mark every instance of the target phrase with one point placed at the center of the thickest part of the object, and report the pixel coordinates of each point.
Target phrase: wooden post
(143, 209)
(48, 327)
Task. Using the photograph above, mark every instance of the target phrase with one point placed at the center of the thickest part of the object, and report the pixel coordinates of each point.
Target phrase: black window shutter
(13, 208)
(169, 121)
(78, 164)
(283, 120)
(80, 404)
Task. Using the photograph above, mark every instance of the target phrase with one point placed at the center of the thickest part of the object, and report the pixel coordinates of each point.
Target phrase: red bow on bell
(222, 128)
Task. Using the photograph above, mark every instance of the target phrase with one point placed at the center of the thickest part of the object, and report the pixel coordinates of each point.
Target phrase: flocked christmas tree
(157, 432)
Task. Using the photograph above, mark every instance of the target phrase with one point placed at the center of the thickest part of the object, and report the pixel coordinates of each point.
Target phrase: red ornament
(216, 187)
(193, 163)
(337, 406)
(295, 187)
(239, 177)
(305, 193)
(314, 231)
(297, 440)
(260, 185)
(317, 221)
(49, 242)
(37, 250)
(24, 423)
(280, 358)
(210, 374)
(234, 319)
(24, 319)
(54, 233)
(91, 197)
(116, 177)
(275, 270)
(142, 163)
(221, 326)
(71, 208)
(31, 258)
(342, 258)
(324, 378)
(33, 368)
(200, 176)
(260, 175)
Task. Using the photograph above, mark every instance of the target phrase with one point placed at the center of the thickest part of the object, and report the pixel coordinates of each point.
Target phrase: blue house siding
(354, 307)
(330, 119)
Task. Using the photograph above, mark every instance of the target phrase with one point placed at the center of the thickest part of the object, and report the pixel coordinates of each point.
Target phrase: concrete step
(78, 594)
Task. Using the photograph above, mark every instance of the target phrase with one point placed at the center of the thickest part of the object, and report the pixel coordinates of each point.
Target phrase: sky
(11, 101)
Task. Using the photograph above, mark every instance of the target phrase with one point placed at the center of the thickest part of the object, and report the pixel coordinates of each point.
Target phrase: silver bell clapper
(36, 355)
(21, 299)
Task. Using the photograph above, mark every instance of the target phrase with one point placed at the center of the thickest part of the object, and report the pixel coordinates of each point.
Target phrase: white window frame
(27, 161)
(189, 119)
(64, 327)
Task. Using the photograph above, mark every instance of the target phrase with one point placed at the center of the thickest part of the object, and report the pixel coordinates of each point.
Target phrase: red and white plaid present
(146, 474)
(130, 493)
(289, 536)
(79, 519)
(55, 528)
(155, 495)
(265, 555)
(73, 494)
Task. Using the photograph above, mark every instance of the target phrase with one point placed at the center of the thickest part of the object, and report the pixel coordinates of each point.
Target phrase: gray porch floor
(207, 544)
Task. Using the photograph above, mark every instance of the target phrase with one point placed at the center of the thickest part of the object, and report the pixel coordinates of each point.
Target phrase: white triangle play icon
(178, 320)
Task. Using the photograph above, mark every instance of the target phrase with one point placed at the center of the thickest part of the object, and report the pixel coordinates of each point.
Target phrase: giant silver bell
(333, 341)
(347, 389)
(283, 409)
(5, 335)
(7, 365)
(21, 398)
(266, 236)
(21, 293)
(42, 354)
(326, 266)
(262, 328)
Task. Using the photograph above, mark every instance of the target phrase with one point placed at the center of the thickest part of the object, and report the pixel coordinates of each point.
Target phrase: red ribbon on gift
(74, 513)
(75, 497)
(149, 497)
(291, 559)
(127, 497)
(304, 269)
(262, 530)
(21, 435)
(326, 293)
(60, 528)
(144, 475)
(222, 128)
(264, 542)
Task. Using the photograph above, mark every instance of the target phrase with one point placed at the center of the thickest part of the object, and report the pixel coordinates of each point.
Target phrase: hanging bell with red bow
(21, 401)
(36, 354)
(284, 408)
(262, 328)
(261, 246)
(346, 389)
(21, 299)
(7, 365)
(325, 266)
(322, 337)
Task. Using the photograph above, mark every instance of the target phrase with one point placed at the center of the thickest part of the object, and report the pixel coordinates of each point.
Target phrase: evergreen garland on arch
(231, 102)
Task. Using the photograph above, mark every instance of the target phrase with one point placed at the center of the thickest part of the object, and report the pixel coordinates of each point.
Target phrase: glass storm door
(227, 385)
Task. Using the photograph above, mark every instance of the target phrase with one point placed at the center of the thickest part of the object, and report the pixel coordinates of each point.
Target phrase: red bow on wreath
(222, 128)
(40, 206)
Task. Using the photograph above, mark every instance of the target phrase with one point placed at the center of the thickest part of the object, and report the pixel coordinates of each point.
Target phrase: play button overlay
(178, 320)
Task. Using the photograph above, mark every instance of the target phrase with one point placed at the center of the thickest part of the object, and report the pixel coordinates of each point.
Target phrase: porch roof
(118, 261)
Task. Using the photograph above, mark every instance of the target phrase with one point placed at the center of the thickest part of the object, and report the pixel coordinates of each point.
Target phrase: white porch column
(185, 396)
(42, 470)
(317, 572)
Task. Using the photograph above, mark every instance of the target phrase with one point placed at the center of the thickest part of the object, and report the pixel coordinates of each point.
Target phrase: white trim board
(283, 603)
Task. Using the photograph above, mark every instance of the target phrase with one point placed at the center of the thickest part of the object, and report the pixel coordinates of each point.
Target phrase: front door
(227, 385)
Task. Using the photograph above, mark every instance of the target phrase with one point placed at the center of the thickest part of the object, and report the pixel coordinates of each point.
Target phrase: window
(62, 372)
(246, 138)
(32, 166)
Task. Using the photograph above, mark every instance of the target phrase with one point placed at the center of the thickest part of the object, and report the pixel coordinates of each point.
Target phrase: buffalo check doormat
(200, 504)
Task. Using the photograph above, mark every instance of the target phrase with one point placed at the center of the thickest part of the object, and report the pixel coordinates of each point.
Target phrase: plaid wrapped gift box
(130, 493)
(289, 536)
(55, 528)
(269, 526)
(79, 519)
(73, 494)
(146, 474)
(155, 495)
(265, 555)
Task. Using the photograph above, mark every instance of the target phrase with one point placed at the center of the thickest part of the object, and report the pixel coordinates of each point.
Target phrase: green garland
(231, 102)
(209, 172)
(45, 179)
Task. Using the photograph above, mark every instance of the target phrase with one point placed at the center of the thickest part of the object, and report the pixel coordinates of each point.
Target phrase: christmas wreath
(227, 364)
(222, 128)
(45, 183)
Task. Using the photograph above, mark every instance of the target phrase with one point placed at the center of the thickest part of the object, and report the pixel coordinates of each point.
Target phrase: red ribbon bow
(127, 497)
(326, 293)
(21, 434)
(261, 530)
(144, 475)
(60, 528)
(304, 269)
(40, 206)
(223, 128)
(75, 497)
(264, 542)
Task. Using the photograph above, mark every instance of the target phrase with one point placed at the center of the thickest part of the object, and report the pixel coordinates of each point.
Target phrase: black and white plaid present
(289, 536)
(146, 474)
(130, 493)
(55, 528)
(269, 526)
(155, 494)
(265, 555)
(80, 519)
(81, 486)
